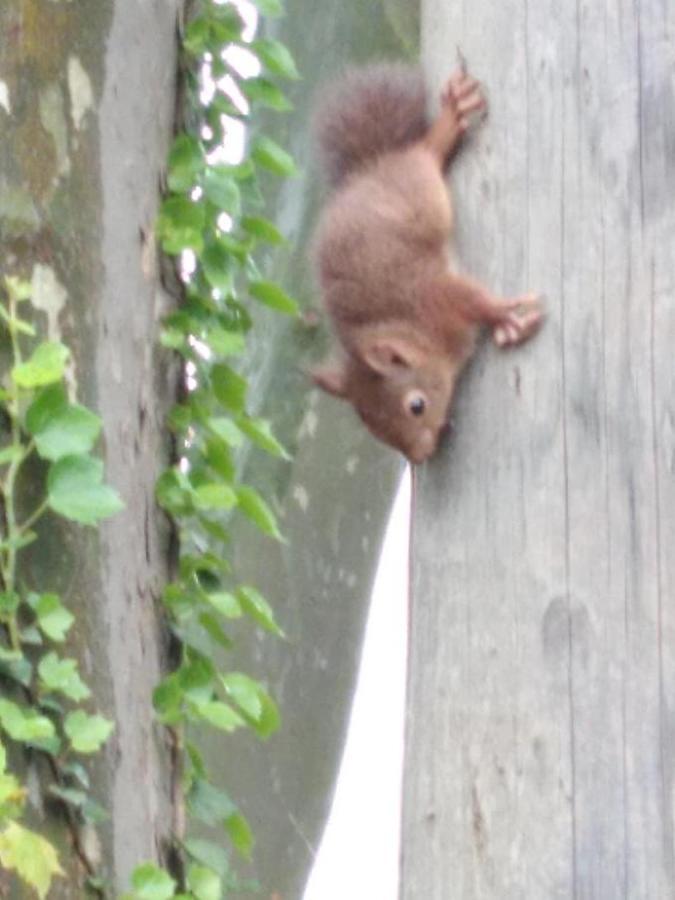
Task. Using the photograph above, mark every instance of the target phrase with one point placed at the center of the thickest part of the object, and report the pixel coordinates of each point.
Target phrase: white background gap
(359, 853)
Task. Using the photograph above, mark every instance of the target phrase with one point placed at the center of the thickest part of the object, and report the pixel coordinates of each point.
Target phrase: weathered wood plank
(541, 743)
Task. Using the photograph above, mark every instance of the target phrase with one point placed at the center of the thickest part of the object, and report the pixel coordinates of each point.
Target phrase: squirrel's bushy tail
(369, 111)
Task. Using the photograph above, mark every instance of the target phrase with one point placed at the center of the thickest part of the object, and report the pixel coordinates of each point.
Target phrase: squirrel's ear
(330, 377)
(386, 354)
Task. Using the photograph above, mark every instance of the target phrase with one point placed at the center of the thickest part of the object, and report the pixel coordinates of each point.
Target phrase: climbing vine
(211, 223)
(47, 446)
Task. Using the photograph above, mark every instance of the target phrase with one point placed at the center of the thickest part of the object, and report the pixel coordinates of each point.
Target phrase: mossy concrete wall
(87, 93)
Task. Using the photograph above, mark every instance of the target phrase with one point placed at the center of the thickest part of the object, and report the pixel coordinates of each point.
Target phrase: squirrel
(407, 323)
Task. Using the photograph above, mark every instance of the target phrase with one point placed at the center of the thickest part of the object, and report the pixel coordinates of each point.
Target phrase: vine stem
(9, 487)
(34, 516)
(14, 466)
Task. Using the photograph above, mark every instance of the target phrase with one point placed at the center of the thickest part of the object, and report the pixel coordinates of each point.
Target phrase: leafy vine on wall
(43, 712)
(211, 223)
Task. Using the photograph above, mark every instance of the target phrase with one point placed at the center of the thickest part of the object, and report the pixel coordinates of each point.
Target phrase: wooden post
(540, 756)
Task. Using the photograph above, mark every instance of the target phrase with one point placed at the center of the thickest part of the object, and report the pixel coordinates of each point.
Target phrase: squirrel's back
(370, 111)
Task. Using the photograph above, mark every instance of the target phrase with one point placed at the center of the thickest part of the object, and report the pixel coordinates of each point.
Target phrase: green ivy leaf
(75, 490)
(45, 366)
(240, 834)
(263, 229)
(213, 628)
(244, 691)
(226, 23)
(152, 883)
(239, 248)
(226, 430)
(268, 154)
(196, 678)
(179, 603)
(196, 768)
(260, 432)
(204, 883)
(225, 603)
(264, 92)
(172, 339)
(10, 454)
(209, 854)
(167, 700)
(257, 510)
(272, 295)
(254, 605)
(276, 58)
(16, 668)
(207, 803)
(224, 342)
(180, 225)
(220, 106)
(214, 529)
(25, 725)
(174, 492)
(31, 856)
(12, 797)
(214, 495)
(254, 702)
(220, 715)
(186, 162)
(87, 734)
(216, 262)
(48, 402)
(197, 36)
(59, 428)
(229, 387)
(53, 618)
(61, 675)
(218, 455)
(12, 793)
(221, 189)
(180, 418)
(251, 193)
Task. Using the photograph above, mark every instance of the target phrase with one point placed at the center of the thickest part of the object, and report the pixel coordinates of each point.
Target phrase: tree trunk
(541, 731)
(86, 107)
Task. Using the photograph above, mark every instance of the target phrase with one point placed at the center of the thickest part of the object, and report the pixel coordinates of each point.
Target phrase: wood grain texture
(540, 755)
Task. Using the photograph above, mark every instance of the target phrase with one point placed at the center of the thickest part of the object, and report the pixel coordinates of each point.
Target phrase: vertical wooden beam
(540, 754)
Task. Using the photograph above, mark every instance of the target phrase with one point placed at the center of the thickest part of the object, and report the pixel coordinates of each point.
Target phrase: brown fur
(406, 323)
(389, 99)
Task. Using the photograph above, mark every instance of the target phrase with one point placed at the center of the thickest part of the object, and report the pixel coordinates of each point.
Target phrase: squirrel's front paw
(519, 318)
(464, 96)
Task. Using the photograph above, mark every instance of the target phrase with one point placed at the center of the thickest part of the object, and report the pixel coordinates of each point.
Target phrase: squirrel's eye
(416, 405)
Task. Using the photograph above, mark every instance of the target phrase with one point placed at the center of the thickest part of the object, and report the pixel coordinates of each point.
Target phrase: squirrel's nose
(424, 447)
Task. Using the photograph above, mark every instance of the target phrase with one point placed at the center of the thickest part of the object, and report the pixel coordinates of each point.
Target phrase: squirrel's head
(401, 394)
